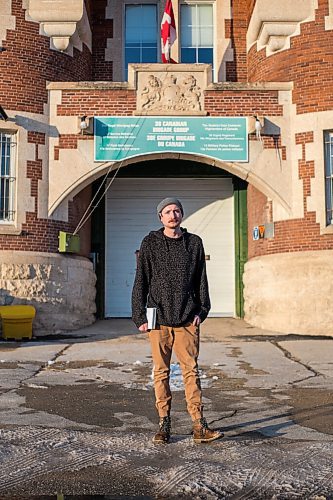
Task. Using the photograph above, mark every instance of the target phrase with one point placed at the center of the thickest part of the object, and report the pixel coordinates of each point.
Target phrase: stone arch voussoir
(240, 170)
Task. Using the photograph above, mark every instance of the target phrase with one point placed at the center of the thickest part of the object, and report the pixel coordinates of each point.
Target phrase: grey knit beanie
(169, 201)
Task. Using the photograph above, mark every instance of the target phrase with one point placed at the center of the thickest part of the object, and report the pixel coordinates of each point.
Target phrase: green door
(240, 200)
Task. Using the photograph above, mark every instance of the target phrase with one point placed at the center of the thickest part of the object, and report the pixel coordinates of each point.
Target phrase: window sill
(9, 229)
(327, 230)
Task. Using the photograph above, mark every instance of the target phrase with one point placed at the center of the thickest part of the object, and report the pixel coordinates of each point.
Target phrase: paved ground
(77, 417)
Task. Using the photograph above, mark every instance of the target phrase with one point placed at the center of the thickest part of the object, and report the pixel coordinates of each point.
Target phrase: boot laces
(165, 424)
(203, 423)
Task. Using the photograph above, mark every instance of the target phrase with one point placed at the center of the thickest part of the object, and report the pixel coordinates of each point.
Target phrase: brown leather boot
(202, 433)
(163, 435)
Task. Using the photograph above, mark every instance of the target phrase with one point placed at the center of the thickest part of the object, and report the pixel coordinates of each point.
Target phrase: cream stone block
(65, 124)
(290, 292)
(60, 213)
(272, 23)
(266, 169)
(25, 151)
(284, 122)
(222, 45)
(294, 154)
(329, 18)
(23, 202)
(265, 183)
(58, 18)
(316, 122)
(166, 90)
(82, 35)
(60, 287)
(137, 73)
(55, 97)
(80, 170)
(43, 154)
(7, 21)
(268, 164)
(297, 183)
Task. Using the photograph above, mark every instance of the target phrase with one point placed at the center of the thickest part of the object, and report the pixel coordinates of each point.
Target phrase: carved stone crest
(173, 93)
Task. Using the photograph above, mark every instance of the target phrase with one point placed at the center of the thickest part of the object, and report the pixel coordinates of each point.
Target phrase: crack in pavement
(45, 366)
(232, 414)
(41, 366)
(288, 355)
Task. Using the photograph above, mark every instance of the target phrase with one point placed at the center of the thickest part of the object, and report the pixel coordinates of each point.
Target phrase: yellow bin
(17, 321)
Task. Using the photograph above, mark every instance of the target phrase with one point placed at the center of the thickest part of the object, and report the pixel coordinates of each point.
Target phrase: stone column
(60, 287)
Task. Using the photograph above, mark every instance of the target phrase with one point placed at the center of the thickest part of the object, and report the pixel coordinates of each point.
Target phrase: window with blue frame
(328, 143)
(196, 33)
(141, 34)
(7, 176)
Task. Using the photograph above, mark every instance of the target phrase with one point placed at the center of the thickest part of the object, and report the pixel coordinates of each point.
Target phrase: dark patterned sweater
(171, 276)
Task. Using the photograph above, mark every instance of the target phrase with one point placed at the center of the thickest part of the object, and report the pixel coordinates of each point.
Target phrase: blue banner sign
(118, 138)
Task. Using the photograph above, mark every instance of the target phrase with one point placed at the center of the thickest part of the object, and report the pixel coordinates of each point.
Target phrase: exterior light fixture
(83, 123)
(257, 127)
(3, 114)
(86, 125)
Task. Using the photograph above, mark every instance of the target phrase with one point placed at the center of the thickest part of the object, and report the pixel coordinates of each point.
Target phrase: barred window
(7, 176)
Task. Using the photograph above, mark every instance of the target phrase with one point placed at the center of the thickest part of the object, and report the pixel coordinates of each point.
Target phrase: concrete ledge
(290, 292)
(89, 86)
(241, 87)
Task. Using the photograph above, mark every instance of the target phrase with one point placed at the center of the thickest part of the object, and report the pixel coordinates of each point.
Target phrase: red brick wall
(249, 9)
(28, 63)
(236, 28)
(102, 30)
(291, 235)
(41, 235)
(308, 63)
(258, 212)
(242, 103)
(102, 102)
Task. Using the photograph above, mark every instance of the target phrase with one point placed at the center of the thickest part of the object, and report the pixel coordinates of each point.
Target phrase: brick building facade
(237, 59)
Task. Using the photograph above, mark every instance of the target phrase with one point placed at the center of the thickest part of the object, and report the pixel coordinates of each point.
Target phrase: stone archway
(60, 194)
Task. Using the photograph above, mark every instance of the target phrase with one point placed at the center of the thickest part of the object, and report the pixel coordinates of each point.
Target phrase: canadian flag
(168, 32)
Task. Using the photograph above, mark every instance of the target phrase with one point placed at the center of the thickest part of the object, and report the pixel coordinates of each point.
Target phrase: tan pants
(185, 343)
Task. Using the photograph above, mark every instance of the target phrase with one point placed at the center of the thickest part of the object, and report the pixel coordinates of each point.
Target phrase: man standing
(171, 277)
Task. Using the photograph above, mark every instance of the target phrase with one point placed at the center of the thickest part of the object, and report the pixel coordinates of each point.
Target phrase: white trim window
(141, 34)
(197, 33)
(7, 176)
(328, 144)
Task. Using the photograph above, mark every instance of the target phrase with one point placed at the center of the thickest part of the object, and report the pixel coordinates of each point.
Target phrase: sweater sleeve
(141, 286)
(202, 291)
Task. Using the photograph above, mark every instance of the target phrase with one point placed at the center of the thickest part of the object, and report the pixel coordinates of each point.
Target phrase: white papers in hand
(151, 317)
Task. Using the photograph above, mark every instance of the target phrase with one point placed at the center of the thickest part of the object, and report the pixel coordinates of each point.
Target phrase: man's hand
(196, 321)
(144, 327)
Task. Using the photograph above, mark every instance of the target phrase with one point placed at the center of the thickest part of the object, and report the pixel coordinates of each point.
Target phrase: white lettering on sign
(162, 129)
(174, 124)
(165, 137)
(175, 144)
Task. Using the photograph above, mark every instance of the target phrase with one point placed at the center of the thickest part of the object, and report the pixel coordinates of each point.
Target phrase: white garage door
(131, 214)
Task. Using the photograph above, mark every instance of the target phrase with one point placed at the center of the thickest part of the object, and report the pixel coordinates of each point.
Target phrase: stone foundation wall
(290, 292)
(60, 287)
